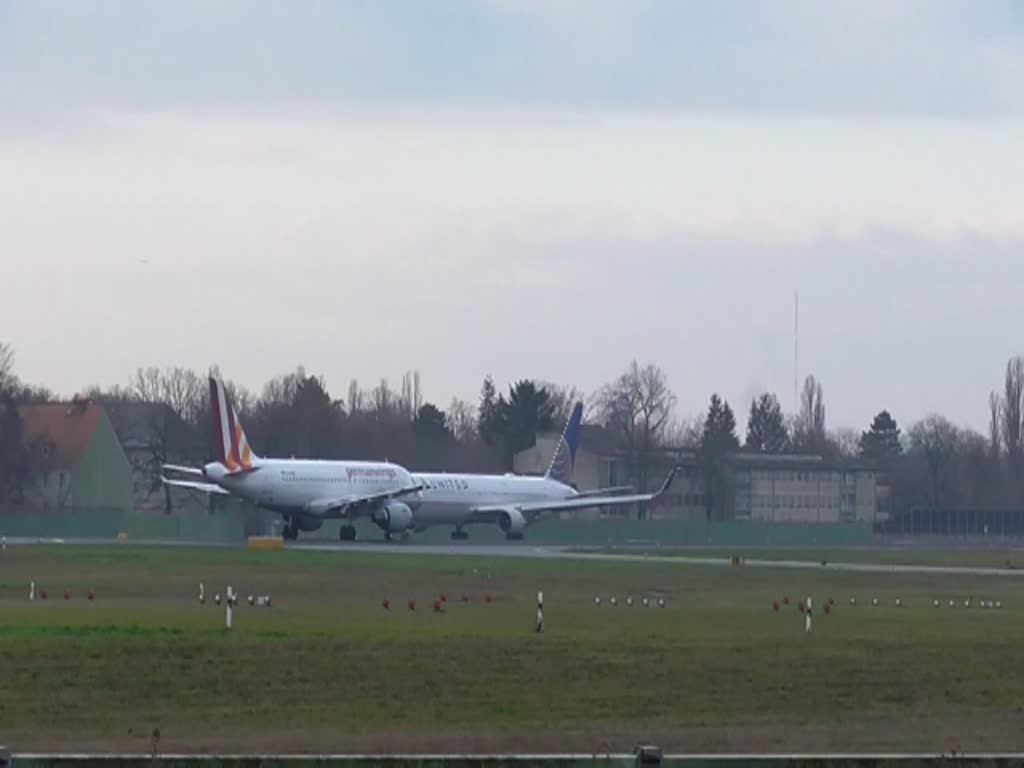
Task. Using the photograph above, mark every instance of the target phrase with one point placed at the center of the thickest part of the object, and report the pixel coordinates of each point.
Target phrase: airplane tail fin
(233, 449)
(563, 462)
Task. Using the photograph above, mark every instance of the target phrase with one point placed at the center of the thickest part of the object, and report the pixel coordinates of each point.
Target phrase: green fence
(107, 524)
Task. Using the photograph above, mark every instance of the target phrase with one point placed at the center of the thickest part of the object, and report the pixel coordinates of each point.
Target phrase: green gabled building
(76, 459)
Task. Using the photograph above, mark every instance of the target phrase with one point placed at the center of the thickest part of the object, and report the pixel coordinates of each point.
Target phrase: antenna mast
(796, 351)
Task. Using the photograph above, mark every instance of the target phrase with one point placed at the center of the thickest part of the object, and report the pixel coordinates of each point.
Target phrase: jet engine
(512, 522)
(393, 517)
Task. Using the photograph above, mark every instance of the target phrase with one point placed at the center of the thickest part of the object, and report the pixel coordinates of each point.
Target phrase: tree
(1012, 406)
(881, 441)
(431, 424)
(356, 397)
(488, 415)
(766, 426)
(936, 439)
(411, 399)
(8, 381)
(810, 434)
(180, 388)
(718, 440)
(843, 443)
(461, 420)
(526, 412)
(562, 400)
(13, 459)
(637, 409)
(995, 408)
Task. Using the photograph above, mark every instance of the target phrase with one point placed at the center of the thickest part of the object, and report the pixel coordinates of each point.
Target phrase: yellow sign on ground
(265, 542)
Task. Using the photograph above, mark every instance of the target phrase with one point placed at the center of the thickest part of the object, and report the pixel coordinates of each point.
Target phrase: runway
(530, 552)
(525, 551)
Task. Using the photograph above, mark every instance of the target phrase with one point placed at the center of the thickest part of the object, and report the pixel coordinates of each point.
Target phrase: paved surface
(527, 551)
(551, 553)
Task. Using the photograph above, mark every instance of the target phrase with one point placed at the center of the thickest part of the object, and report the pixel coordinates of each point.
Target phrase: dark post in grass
(540, 612)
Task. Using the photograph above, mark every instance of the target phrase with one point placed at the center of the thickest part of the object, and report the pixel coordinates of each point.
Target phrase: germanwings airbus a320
(306, 493)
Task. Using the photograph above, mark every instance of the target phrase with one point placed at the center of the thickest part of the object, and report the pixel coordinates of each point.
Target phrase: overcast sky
(526, 188)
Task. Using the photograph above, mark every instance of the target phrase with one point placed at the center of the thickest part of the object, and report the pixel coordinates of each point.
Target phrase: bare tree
(411, 399)
(809, 433)
(937, 439)
(180, 388)
(995, 407)
(461, 420)
(637, 407)
(846, 441)
(1013, 404)
(7, 378)
(384, 401)
(562, 400)
(356, 397)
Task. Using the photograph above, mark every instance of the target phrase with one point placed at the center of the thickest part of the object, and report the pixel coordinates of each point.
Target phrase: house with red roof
(77, 461)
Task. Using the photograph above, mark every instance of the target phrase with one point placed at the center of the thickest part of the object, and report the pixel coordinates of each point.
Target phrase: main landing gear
(460, 535)
(290, 532)
(347, 533)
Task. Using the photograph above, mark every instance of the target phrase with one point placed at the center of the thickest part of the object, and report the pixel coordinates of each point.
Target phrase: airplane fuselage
(296, 486)
(450, 499)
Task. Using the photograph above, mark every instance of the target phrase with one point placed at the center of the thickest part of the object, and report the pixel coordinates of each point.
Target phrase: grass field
(327, 668)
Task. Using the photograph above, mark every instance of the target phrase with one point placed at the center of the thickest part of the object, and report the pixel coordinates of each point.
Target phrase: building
(802, 488)
(756, 486)
(75, 458)
(600, 463)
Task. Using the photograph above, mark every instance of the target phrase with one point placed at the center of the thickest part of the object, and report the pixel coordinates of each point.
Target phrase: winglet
(668, 481)
(563, 462)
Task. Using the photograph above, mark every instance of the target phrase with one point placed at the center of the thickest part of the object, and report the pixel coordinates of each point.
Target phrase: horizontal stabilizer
(195, 485)
(193, 471)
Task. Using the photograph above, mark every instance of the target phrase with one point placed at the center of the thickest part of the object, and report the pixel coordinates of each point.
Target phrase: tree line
(933, 465)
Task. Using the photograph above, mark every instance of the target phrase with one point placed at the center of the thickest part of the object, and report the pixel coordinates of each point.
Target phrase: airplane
(304, 492)
(514, 502)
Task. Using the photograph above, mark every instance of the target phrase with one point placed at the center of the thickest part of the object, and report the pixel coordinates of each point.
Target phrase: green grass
(328, 668)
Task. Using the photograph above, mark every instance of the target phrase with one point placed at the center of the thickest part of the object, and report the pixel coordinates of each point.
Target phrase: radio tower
(796, 351)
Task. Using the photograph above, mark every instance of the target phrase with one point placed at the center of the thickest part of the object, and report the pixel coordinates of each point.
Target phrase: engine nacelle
(393, 517)
(511, 521)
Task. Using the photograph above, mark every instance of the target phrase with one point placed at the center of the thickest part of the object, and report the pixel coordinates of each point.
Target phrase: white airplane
(304, 492)
(514, 502)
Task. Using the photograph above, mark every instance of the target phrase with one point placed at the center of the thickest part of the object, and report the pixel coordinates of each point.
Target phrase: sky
(520, 188)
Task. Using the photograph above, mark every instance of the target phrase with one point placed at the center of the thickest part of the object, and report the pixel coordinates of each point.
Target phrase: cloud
(523, 243)
(811, 57)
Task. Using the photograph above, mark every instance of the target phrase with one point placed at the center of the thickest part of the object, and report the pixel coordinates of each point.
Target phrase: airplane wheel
(290, 533)
(347, 533)
(514, 536)
(460, 535)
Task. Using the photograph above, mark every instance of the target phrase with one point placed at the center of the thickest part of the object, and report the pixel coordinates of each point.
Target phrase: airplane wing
(531, 509)
(193, 471)
(194, 485)
(604, 491)
(339, 507)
